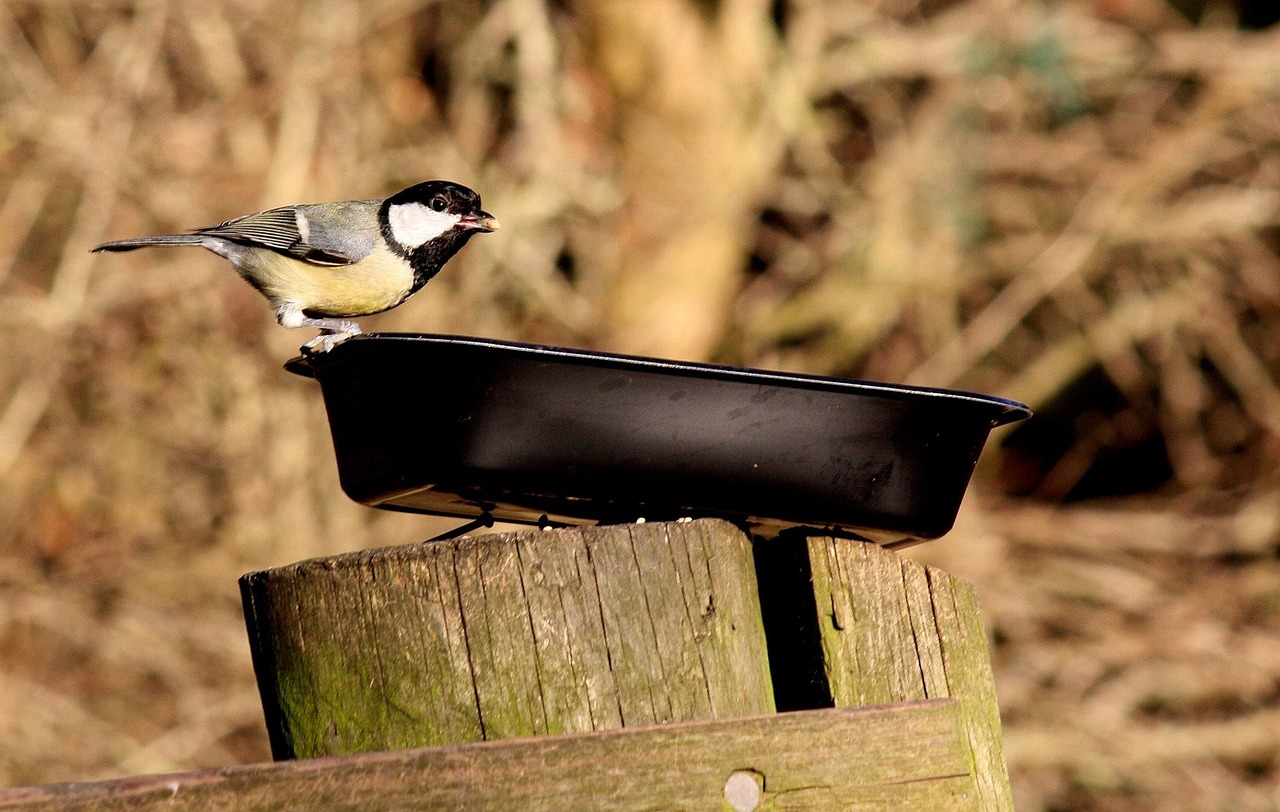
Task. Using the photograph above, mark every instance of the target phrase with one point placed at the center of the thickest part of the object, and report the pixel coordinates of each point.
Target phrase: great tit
(322, 264)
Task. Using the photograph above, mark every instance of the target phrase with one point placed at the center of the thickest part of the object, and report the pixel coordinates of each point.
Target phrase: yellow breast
(378, 282)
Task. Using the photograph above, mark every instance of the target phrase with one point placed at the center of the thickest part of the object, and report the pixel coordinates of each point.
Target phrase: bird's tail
(145, 242)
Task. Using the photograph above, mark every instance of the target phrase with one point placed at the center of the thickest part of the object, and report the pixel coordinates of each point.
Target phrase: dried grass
(997, 194)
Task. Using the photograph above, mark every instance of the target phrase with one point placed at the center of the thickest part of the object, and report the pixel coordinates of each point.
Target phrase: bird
(321, 265)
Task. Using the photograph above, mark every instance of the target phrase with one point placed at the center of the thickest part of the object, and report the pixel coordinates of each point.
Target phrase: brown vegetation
(1003, 195)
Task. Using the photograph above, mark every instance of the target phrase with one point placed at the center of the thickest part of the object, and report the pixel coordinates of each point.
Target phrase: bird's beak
(480, 221)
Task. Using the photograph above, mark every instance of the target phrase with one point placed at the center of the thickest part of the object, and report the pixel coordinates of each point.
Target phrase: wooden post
(505, 635)
(611, 668)
(591, 629)
(893, 630)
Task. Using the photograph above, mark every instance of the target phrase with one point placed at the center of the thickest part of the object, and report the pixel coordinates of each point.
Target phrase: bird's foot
(331, 335)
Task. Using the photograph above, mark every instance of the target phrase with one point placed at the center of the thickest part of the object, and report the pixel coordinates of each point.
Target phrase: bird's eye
(437, 203)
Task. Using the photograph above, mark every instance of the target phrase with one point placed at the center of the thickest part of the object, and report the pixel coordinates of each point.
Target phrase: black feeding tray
(476, 428)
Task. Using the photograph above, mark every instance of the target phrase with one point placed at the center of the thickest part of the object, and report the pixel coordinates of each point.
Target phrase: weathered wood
(885, 758)
(507, 635)
(893, 630)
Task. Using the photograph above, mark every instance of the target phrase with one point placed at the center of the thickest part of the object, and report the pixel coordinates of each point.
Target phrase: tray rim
(1011, 410)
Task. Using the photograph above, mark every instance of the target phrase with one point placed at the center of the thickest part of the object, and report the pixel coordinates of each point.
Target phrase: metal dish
(475, 428)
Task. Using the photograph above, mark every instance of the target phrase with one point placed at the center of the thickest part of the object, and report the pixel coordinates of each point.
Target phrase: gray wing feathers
(322, 233)
(347, 229)
(276, 229)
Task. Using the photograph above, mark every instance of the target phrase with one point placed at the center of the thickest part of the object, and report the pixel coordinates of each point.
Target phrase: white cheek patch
(413, 224)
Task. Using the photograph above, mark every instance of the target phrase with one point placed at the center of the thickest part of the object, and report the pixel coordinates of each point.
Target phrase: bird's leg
(332, 331)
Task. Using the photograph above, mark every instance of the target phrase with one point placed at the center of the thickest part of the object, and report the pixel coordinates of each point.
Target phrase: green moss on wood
(509, 635)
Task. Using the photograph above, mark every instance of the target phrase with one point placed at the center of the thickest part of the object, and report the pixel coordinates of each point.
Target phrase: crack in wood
(466, 639)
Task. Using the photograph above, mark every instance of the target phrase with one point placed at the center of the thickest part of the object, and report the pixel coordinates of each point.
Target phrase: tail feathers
(146, 242)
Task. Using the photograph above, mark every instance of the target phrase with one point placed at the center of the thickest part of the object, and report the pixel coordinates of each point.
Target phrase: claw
(328, 339)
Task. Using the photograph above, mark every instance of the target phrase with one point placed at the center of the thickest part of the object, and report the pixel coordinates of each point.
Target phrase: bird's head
(436, 216)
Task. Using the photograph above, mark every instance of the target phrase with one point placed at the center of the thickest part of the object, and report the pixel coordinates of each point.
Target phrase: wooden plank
(893, 630)
(885, 758)
(674, 598)
(864, 590)
(508, 635)
(318, 675)
(968, 671)
(568, 632)
(499, 637)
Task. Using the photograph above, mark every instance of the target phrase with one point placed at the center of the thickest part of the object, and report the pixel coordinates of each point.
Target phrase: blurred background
(1075, 204)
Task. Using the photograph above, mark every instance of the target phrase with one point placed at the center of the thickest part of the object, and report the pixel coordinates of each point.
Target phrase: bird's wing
(328, 234)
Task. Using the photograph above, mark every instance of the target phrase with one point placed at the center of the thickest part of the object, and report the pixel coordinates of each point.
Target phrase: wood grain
(894, 630)
(886, 758)
(507, 635)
